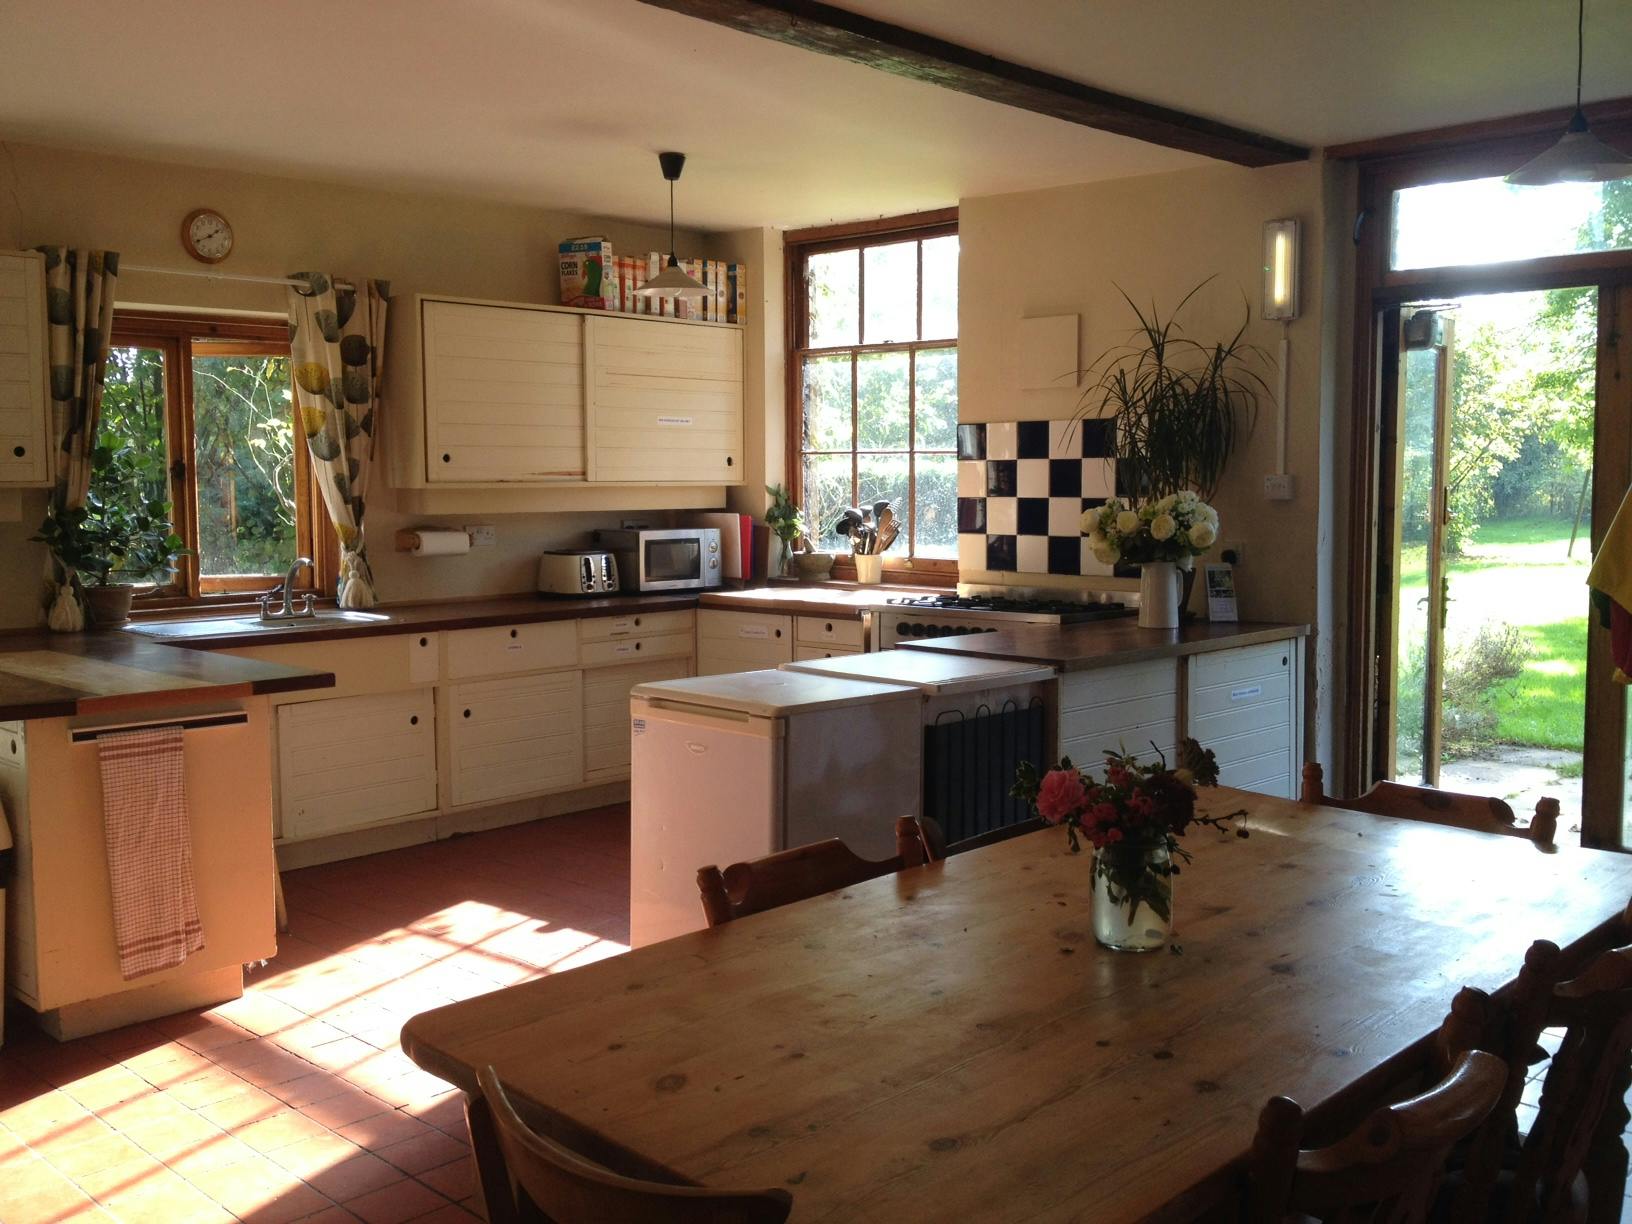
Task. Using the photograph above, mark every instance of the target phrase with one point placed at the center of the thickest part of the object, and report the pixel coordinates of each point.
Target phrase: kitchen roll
(441, 543)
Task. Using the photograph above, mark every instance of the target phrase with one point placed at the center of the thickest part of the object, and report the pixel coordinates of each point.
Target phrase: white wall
(1068, 250)
(419, 243)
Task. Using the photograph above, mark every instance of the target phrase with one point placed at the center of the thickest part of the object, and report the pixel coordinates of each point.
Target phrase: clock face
(207, 235)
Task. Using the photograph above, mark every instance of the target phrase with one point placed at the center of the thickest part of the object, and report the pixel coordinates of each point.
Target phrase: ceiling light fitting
(1578, 156)
(672, 282)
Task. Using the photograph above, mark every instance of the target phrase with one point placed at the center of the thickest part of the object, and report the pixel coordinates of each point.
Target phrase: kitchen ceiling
(562, 104)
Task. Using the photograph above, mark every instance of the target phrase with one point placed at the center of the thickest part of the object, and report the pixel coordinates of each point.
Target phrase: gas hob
(916, 617)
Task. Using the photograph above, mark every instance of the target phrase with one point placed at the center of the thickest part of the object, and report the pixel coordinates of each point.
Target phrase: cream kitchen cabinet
(1131, 706)
(606, 713)
(665, 402)
(514, 736)
(742, 641)
(350, 762)
(510, 649)
(25, 406)
(1246, 704)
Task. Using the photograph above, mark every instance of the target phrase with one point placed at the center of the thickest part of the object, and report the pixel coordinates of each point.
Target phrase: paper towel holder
(408, 539)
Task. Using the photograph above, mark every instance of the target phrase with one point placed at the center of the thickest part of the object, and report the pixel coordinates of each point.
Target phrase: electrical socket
(482, 535)
(1279, 487)
(1233, 555)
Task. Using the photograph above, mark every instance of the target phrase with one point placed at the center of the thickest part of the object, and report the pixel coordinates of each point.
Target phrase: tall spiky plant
(1180, 406)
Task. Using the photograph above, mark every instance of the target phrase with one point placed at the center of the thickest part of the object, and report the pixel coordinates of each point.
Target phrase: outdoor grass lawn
(1516, 571)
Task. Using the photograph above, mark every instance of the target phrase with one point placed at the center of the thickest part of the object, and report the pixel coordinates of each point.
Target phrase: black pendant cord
(675, 263)
(1580, 53)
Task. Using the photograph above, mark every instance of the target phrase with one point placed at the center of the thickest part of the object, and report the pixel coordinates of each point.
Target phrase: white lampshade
(1578, 157)
(672, 282)
(1281, 270)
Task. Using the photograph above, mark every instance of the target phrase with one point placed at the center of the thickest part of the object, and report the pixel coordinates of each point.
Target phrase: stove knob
(989, 629)
(901, 629)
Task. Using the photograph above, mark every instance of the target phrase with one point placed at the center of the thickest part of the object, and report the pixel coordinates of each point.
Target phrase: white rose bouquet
(1178, 527)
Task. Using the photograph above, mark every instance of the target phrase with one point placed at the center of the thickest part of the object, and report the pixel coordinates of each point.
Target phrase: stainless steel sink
(226, 626)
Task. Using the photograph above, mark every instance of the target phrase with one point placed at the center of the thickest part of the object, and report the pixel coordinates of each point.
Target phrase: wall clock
(207, 235)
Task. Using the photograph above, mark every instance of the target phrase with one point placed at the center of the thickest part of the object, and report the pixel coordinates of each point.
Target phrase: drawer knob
(779, 633)
(729, 461)
(637, 645)
(1283, 660)
(447, 458)
(514, 632)
(413, 720)
(424, 641)
(467, 713)
(19, 451)
(637, 622)
(830, 626)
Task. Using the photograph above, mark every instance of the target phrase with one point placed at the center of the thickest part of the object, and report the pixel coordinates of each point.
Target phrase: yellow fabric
(1611, 570)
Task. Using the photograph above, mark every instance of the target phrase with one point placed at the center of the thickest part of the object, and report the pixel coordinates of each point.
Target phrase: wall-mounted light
(1281, 270)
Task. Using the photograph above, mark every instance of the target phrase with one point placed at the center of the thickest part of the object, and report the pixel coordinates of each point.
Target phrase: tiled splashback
(1022, 488)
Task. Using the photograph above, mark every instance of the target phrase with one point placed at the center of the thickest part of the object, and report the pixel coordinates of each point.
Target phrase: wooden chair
(1388, 1169)
(1572, 1165)
(797, 874)
(932, 838)
(552, 1184)
(1473, 812)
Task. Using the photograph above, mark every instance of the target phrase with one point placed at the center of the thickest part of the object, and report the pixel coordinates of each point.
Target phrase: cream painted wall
(420, 243)
(1067, 250)
(766, 430)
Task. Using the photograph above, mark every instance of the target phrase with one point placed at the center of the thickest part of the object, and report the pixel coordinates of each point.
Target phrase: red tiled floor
(295, 1102)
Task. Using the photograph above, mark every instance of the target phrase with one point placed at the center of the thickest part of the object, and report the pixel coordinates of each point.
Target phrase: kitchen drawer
(348, 762)
(514, 737)
(639, 624)
(1242, 663)
(742, 641)
(830, 631)
(508, 649)
(606, 714)
(628, 650)
(802, 652)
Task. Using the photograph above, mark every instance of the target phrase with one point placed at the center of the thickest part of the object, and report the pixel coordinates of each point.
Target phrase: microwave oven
(676, 559)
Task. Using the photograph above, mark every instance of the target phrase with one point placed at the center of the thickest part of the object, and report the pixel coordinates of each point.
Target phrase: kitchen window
(206, 408)
(873, 374)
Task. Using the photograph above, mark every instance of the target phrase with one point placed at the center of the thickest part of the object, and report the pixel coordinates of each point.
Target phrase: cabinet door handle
(729, 461)
(779, 633)
(514, 632)
(467, 713)
(19, 451)
(424, 641)
(447, 458)
(637, 645)
(637, 622)
(413, 720)
(830, 626)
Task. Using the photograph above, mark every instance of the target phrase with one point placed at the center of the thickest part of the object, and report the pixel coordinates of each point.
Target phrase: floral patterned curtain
(79, 291)
(337, 347)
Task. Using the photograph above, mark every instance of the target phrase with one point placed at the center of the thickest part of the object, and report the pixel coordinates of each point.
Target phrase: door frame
(1379, 293)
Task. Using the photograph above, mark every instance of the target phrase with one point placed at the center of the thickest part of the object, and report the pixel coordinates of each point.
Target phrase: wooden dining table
(950, 1042)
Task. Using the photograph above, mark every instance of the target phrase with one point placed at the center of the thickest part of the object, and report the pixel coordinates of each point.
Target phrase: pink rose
(1060, 796)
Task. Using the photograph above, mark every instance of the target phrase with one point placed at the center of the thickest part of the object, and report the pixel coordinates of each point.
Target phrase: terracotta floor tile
(422, 1152)
(77, 1160)
(354, 1176)
(280, 1130)
(456, 1179)
(453, 1213)
(397, 1203)
(384, 1129)
(346, 1107)
(33, 1190)
(242, 1108)
(208, 1087)
(334, 1214)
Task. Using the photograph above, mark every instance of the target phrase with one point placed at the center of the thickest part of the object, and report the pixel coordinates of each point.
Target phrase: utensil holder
(869, 567)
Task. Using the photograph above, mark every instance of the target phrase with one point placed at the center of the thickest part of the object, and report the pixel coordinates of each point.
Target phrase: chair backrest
(933, 838)
(568, 1189)
(1387, 1169)
(794, 875)
(1475, 812)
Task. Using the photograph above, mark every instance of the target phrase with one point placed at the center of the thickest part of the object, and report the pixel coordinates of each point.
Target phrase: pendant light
(672, 282)
(1579, 156)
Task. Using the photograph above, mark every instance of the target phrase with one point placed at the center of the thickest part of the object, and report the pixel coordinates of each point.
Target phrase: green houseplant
(785, 521)
(121, 536)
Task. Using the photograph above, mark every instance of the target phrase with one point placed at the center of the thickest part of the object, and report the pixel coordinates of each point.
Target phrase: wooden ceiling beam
(919, 57)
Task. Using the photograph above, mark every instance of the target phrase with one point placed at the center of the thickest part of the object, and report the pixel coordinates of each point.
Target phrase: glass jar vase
(1133, 897)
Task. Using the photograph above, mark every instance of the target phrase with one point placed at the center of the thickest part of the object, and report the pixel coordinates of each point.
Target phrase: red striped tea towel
(150, 849)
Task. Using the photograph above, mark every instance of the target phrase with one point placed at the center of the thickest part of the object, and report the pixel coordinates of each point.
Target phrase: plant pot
(1158, 595)
(1133, 898)
(109, 605)
(869, 567)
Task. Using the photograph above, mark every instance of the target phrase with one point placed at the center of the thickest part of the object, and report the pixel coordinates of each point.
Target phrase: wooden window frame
(176, 336)
(799, 246)
(1481, 150)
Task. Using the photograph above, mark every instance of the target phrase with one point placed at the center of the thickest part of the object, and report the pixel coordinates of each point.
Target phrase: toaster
(578, 572)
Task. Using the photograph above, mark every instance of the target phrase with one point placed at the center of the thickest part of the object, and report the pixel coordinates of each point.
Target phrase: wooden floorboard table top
(951, 1042)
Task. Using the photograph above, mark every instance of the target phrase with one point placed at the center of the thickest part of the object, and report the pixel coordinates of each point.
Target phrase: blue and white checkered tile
(1022, 490)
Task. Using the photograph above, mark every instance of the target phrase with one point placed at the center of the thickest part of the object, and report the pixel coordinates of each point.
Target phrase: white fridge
(732, 767)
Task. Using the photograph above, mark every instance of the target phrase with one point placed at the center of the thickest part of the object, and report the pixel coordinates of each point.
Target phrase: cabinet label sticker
(673, 420)
(1241, 694)
(638, 726)
(753, 631)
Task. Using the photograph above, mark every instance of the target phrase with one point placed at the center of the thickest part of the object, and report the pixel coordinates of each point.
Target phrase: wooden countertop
(55, 675)
(949, 1042)
(847, 603)
(217, 633)
(1108, 643)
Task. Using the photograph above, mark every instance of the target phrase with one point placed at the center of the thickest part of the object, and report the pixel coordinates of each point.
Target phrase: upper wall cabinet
(25, 408)
(665, 402)
(486, 395)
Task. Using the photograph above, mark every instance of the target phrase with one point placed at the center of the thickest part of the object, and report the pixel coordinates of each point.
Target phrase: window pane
(937, 407)
(940, 288)
(827, 403)
(884, 478)
(833, 289)
(244, 451)
(936, 506)
(892, 293)
(881, 401)
(827, 493)
(1484, 221)
(133, 416)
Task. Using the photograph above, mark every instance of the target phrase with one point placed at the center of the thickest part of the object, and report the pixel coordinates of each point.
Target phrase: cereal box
(587, 278)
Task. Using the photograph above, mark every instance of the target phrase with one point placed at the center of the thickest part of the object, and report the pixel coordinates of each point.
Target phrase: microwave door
(671, 563)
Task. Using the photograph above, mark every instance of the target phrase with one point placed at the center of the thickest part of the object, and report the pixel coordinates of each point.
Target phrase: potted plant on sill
(1179, 405)
(120, 537)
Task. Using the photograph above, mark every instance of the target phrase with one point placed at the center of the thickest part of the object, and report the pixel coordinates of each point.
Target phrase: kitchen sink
(225, 626)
